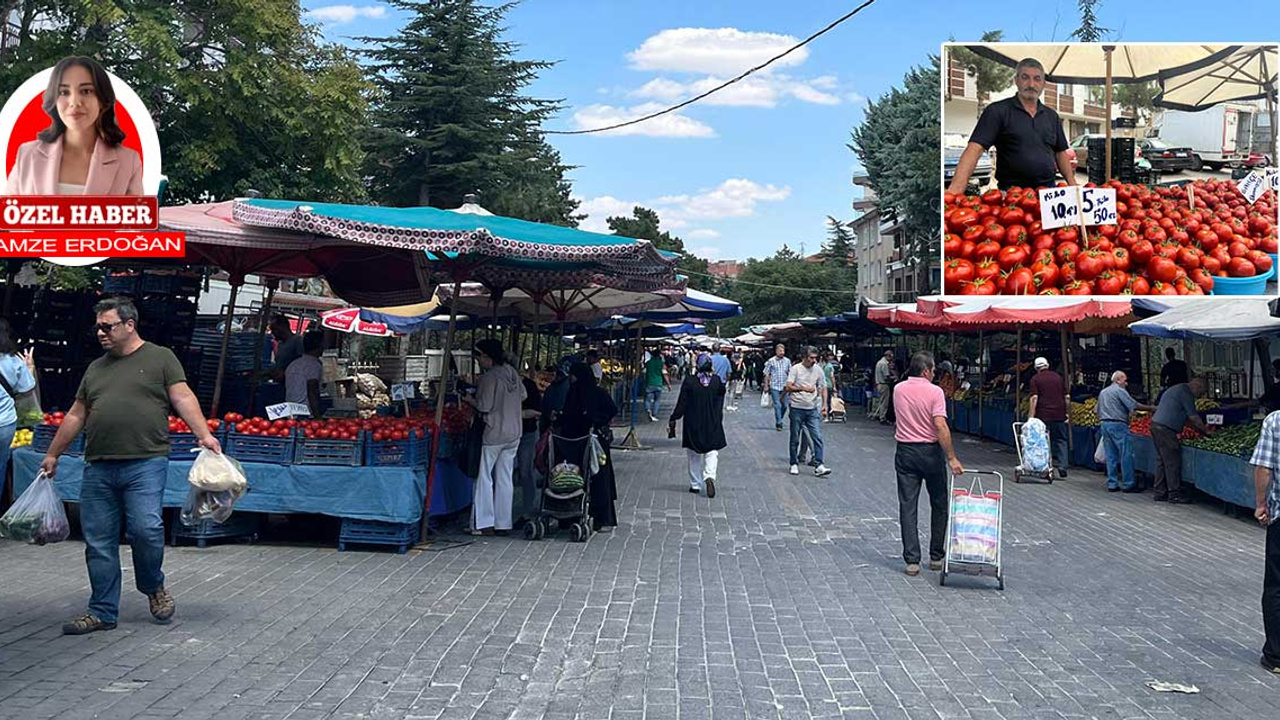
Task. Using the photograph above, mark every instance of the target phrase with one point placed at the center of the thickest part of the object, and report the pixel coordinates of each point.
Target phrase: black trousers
(1168, 461)
(918, 463)
(1058, 442)
(1271, 597)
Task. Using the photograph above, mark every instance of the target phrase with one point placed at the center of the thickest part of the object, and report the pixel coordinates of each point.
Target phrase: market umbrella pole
(632, 442)
(440, 398)
(1108, 49)
(1066, 371)
(257, 352)
(982, 377)
(1017, 379)
(226, 339)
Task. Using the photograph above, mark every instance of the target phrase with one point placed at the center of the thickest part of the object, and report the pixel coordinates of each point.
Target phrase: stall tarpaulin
(1012, 312)
(1203, 319)
(1247, 74)
(695, 305)
(585, 304)
(1086, 63)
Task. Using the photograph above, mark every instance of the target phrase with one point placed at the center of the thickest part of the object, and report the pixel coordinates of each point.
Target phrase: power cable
(721, 278)
(722, 86)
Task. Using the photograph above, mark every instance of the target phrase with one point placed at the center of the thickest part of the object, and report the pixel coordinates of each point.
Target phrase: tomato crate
(374, 532)
(397, 453)
(181, 444)
(259, 448)
(42, 438)
(314, 451)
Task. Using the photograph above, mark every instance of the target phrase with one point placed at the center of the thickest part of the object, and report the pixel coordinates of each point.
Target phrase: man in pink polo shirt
(924, 454)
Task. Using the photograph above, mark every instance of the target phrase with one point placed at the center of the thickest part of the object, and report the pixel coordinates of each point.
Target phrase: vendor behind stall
(302, 377)
(289, 346)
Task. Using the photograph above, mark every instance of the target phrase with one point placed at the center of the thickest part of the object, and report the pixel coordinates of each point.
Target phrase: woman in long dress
(701, 406)
(588, 408)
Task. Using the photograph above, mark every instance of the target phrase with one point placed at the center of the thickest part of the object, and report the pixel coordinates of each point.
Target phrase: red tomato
(961, 218)
(987, 269)
(1077, 288)
(1010, 257)
(1012, 216)
(1260, 260)
(1121, 259)
(992, 197)
(1066, 234)
(1203, 278)
(1269, 244)
(957, 271)
(978, 286)
(1090, 264)
(1128, 237)
(1162, 270)
(986, 249)
(1020, 282)
(951, 246)
(994, 232)
(1162, 288)
(1045, 274)
(1111, 282)
(1188, 258)
(1067, 252)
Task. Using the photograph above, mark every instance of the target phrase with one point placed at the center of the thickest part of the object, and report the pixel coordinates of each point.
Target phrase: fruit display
(1207, 404)
(1140, 426)
(1237, 440)
(1160, 245)
(1084, 414)
(178, 425)
(22, 438)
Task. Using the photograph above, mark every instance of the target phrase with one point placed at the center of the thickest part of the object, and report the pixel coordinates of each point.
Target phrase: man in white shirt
(883, 378)
(302, 377)
(807, 388)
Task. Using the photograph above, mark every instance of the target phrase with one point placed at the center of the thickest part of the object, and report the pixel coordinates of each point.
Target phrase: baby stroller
(564, 500)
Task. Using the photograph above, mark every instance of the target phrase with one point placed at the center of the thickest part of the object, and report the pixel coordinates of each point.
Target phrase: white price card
(1098, 206)
(402, 391)
(1102, 377)
(1213, 419)
(1059, 207)
(1252, 186)
(287, 409)
(1273, 178)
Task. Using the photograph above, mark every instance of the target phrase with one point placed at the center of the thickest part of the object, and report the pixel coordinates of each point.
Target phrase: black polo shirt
(1025, 146)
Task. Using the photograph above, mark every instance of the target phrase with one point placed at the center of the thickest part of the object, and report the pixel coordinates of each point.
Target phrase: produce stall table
(1225, 477)
(383, 494)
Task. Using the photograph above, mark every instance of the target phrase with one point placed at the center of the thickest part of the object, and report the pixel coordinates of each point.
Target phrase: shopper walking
(737, 378)
(1176, 408)
(1266, 462)
(655, 375)
(1049, 401)
(883, 377)
(498, 399)
(701, 406)
(776, 371)
(17, 378)
(588, 410)
(808, 394)
(123, 405)
(721, 363)
(924, 455)
(1114, 406)
(830, 369)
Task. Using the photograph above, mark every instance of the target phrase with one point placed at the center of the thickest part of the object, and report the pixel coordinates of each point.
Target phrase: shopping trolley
(1022, 472)
(974, 526)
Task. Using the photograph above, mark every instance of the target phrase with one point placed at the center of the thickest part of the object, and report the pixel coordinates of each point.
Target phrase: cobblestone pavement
(783, 597)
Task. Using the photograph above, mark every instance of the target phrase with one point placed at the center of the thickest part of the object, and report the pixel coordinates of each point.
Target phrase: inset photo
(1109, 169)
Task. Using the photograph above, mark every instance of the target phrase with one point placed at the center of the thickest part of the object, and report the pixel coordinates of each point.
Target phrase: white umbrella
(1247, 74)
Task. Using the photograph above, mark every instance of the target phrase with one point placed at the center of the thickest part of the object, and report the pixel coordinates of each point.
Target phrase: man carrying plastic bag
(123, 405)
(37, 516)
(217, 482)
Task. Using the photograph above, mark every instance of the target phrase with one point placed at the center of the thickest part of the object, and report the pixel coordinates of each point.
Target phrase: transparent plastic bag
(216, 472)
(1035, 445)
(37, 517)
(208, 505)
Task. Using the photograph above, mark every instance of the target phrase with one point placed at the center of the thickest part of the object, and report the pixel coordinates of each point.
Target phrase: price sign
(287, 409)
(1059, 207)
(402, 391)
(1213, 419)
(1252, 186)
(1102, 377)
(1273, 178)
(1098, 206)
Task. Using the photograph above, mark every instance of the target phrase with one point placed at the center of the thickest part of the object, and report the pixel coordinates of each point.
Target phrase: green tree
(782, 287)
(644, 224)
(451, 116)
(839, 248)
(898, 145)
(989, 75)
(244, 95)
(1089, 30)
(1137, 98)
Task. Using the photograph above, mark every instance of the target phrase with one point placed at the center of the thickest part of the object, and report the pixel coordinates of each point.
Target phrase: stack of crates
(1123, 151)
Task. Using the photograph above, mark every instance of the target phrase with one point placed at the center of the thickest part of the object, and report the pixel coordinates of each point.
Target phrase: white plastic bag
(1100, 454)
(208, 505)
(765, 399)
(37, 516)
(216, 472)
(1035, 445)
(598, 458)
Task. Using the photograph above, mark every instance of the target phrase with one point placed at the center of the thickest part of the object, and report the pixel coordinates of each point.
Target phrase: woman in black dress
(588, 408)
(701, 406)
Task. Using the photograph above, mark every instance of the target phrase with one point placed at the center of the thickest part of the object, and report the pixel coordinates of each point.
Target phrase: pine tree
(451, 116)
(1089, 31)
(644, 224)
(839, 249)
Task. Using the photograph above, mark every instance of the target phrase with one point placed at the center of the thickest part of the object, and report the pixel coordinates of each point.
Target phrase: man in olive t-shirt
(123, 405)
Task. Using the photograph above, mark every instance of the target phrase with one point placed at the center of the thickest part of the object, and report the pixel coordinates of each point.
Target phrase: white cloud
(737, 197)
(708, 252)
(669, 125)
(599, 210)
(702, 234)
(342, 14)
(760, 90)
(711, 51)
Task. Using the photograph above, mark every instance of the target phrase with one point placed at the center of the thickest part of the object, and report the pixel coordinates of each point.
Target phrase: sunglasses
(106, 328)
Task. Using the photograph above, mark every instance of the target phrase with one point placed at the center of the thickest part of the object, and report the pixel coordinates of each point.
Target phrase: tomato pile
(178, 425)
(1140, 426)
(54, 419)
(380, 429)
(259, 426)
(1160, 246)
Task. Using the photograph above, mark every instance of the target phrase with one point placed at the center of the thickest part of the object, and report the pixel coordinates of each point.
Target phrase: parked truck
(1220, 136)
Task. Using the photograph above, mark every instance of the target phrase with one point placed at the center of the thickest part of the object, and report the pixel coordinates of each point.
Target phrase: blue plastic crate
(42, 437)
(398, 453)
(181, 444)
(374, 532)
(449, 445)
(121, 284)
(257, 448)
(313, 451)
(239, 525)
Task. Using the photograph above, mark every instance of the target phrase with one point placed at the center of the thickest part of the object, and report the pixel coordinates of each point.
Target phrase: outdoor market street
(783, 597)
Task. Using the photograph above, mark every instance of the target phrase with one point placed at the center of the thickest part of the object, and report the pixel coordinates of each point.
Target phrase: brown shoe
(161, 603)
(913, 569)
(85, 624)
(935, 565)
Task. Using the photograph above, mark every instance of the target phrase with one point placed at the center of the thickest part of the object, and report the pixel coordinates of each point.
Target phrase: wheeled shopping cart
(557, 508)
(974, 526)
(1022, 473)
(837, 412)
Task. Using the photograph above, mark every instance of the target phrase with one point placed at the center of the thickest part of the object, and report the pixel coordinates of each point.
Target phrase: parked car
(1167, 159)
(981, 172)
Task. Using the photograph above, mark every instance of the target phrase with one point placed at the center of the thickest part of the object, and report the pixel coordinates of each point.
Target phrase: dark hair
(7, 345)
(312, 341)
(920, 362)
(1168, 352)
(123, 306)
(1030, 62)
(581, 372)
(593, 353)
(106, 124)
(493, 350)
(280, 319)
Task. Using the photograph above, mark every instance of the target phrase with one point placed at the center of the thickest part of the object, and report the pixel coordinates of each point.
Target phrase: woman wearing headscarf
(701, 405)
(587, 409)
(498, 401)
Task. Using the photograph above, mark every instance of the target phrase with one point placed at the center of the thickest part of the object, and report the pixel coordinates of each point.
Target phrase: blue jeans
(651, 397)
(1115, 440)
(6, 438)
(779, 405)
(132, 492)
(809, 420)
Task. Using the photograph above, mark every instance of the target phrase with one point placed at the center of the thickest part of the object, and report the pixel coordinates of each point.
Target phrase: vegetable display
(1160, 245)
(1084, 414)
(1237, 440)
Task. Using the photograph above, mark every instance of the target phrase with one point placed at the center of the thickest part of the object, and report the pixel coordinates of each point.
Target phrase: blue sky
(742, 175)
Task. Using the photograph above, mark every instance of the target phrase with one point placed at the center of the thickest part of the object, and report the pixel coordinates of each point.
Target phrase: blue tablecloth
(388, 494)
(1084, 442)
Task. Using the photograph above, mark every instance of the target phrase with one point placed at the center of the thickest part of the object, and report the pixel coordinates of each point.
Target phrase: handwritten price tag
(1252, 186)
(1098, 206)
(1059, 207)
(402, 391)
(1273, 176)
(1215, 419)
(287, 409)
